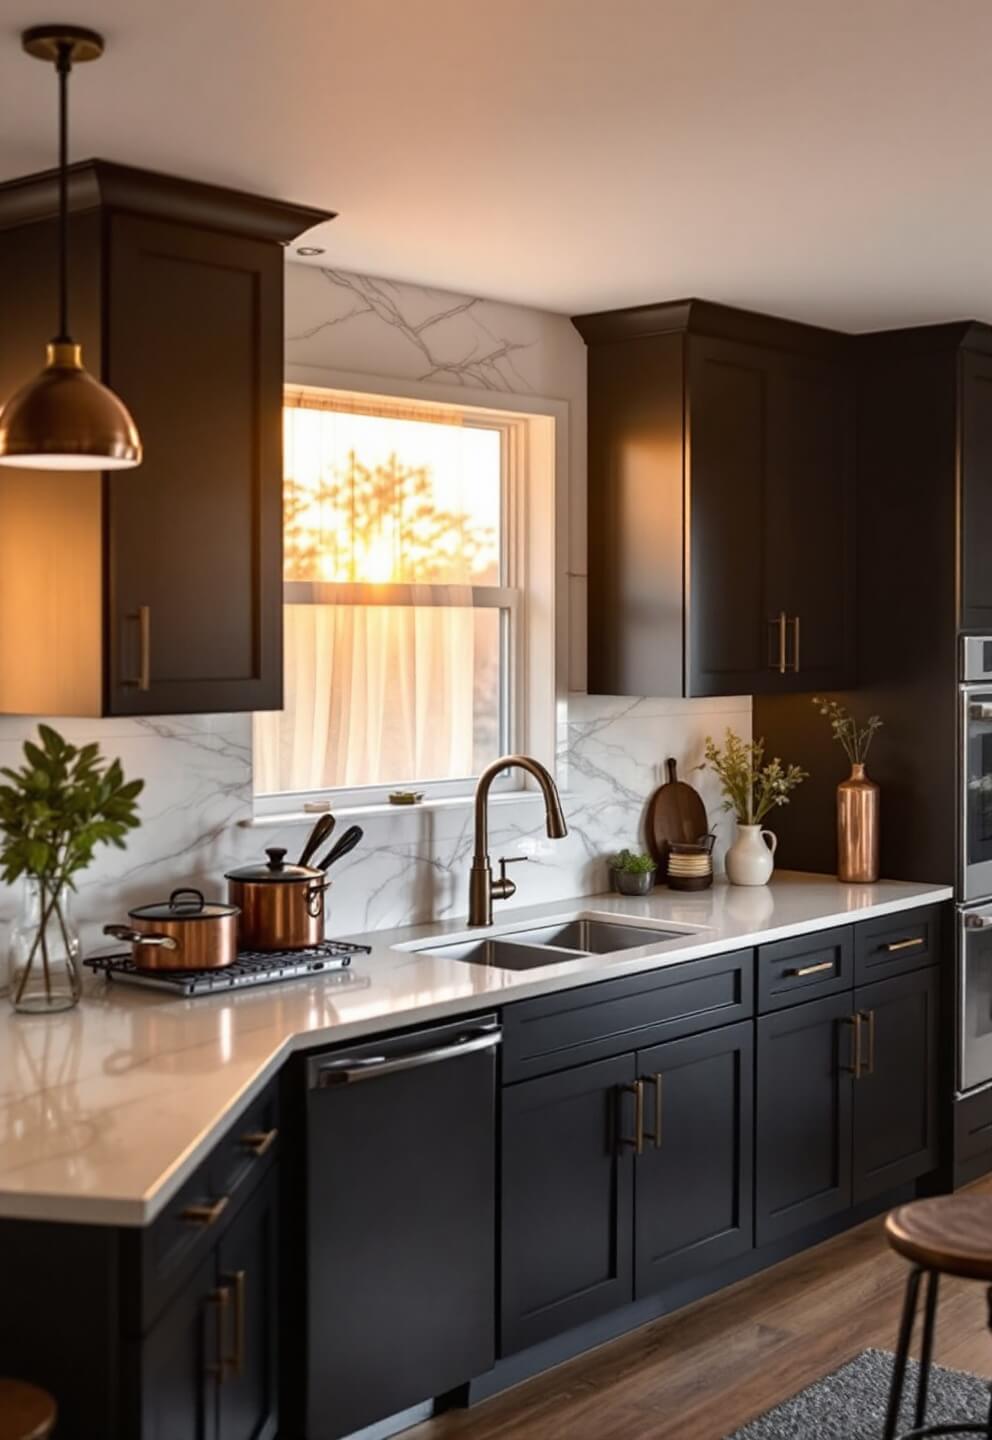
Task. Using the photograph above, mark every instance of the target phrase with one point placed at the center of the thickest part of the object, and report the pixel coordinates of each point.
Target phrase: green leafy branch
(855, 739)
(750, 786)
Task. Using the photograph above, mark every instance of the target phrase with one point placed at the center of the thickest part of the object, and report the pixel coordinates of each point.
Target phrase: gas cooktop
(252, 967)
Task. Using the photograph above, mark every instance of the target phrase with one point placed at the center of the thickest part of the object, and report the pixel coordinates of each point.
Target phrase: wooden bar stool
(948, 1235)
(26, 1413)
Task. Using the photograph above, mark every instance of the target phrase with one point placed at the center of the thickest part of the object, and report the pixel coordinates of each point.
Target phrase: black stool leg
(988, 1295)
(926, 1349)
(902, 1352)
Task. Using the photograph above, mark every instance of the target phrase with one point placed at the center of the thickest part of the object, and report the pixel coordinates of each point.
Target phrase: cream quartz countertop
(105, 1110)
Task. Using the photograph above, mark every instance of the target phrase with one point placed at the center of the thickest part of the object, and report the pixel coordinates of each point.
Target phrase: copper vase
(857, 828)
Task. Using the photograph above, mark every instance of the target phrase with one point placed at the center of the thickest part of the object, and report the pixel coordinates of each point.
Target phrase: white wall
(412, 865)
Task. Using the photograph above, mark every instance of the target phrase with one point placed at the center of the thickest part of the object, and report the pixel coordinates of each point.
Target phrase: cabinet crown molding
(103, 184)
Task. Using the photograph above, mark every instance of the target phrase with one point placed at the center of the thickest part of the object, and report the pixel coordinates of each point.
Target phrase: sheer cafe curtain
(375, 694)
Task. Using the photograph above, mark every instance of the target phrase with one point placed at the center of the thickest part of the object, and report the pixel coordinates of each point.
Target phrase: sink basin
(594, 937)
(560, 940)
(504, 953)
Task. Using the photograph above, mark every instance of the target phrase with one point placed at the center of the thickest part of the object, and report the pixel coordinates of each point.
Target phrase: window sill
(359, 812)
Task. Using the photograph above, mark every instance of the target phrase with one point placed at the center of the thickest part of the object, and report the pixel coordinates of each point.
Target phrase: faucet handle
(504, 887)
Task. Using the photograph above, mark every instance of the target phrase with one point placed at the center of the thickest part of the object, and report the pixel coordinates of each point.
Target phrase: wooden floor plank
(700, 1374)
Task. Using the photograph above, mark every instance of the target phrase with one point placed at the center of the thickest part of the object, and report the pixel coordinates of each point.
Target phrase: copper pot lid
(185, 904)
(276, 870)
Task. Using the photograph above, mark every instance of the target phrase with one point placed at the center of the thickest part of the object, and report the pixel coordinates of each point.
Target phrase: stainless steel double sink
(550, 944)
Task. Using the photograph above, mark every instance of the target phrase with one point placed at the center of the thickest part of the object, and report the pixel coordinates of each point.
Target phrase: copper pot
(282, 906)
(184, 932)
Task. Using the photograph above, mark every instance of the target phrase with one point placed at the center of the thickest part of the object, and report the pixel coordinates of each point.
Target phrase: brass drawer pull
(868, 1016)
(205, 1214)
(812, 969)
(904, 944)
(637, 1139)
(259, 1142)
(218, 1366)
(855, 1066)
(235, 1361)
(655, 1135)
(795, 645)
(143, 680)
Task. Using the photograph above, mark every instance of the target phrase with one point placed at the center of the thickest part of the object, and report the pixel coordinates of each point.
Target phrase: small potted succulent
(632, 874)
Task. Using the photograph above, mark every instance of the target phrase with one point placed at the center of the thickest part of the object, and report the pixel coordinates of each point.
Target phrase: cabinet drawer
(178, 1239)
(972, 1136)
(894, 944)
(806, 968)
(597, 1021)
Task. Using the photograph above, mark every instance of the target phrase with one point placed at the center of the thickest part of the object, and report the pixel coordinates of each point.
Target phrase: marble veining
(106, 1109)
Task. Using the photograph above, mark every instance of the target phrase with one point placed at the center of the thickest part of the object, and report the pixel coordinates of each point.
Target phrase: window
(403, 562)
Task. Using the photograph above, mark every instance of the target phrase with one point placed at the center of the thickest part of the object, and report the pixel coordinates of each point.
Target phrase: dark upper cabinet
(693, 1201)
(159, 589)
(566, 1252)
(803, 1115)
(895, 1099)
(721, 496)
(976, 490)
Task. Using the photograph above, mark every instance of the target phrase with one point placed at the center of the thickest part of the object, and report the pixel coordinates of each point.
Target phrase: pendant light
(65, 419)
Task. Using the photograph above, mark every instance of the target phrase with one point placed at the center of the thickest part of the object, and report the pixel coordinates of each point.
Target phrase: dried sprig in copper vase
(858, 797)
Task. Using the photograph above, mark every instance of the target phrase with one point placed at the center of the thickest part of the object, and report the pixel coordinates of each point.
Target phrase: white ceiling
(825, 159)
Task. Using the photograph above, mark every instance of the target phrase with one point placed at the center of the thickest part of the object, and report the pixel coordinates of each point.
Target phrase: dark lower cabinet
(693, 1186)
(804, 1099)
(208, 1365)
(567, 1185)
(895, 1099)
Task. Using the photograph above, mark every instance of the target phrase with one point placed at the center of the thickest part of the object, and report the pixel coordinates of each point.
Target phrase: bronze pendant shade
(64, 419)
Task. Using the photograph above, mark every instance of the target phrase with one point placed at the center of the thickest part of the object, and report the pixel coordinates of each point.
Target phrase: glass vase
(44, 951)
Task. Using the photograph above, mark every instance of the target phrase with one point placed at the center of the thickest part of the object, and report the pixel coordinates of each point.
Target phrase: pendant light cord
(63, 65)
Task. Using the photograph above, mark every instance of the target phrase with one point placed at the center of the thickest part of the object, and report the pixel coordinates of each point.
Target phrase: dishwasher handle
(347, 1069)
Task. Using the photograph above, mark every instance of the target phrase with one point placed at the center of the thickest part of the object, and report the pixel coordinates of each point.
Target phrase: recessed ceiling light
(309, 250)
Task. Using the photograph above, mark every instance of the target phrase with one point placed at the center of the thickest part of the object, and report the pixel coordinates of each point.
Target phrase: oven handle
(978, 922)
(980, 710)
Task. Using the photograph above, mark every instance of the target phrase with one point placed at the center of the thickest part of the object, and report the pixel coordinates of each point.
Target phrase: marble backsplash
(412, 865)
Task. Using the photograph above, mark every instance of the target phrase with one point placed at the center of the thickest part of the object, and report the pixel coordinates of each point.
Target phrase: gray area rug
(850, 1404)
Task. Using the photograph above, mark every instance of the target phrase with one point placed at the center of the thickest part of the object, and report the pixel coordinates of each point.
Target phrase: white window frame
(531, 591)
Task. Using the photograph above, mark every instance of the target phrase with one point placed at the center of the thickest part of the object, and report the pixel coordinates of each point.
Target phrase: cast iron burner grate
(252, 967)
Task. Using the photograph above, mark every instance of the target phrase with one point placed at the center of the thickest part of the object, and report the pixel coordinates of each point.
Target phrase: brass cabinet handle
(812, 969)
(655, 1135)
(235, 1361)
(795, 644)
(205, 1214)
(143, 680)
(637, 1139)
(868, 1016)
(781, 664)
(856, 1058)
(218, 1366)
(903, 945)
(259, 1142)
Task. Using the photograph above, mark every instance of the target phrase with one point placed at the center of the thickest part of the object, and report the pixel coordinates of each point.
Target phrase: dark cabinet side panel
(803, 1149)
(194, 534)
(566, 1213)
(976, 491)
(635, 517)
(895, 1101)
(694, 1182)
(247, 1261)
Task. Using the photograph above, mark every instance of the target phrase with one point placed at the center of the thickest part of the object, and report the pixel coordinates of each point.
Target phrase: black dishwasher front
(401, 1224)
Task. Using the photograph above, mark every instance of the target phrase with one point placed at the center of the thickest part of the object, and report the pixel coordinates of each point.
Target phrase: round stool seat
(951, 1234)
(26, 1413)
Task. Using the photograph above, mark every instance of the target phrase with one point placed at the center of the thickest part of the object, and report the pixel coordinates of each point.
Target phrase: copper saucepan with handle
(185, 932)
(282, 906)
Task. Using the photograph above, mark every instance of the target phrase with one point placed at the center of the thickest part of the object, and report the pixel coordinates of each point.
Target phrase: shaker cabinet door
(194, 615)
(180, 1362)
(693, 1188)
(804, 1084)
(566, 1215)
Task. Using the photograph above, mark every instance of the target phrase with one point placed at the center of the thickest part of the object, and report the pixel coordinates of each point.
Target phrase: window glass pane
(376, 499)
(383, 695)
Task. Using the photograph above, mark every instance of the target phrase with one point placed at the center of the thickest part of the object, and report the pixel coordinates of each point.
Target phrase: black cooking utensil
(343, 847)
(320, 832)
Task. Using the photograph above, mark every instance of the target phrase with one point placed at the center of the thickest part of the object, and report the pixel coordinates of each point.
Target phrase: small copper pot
(185, 932)
(282, 906)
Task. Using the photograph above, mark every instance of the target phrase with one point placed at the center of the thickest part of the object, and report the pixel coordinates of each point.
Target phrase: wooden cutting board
(675, 813)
